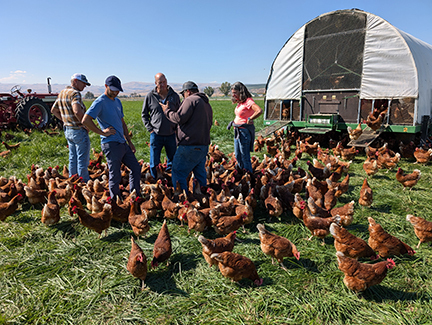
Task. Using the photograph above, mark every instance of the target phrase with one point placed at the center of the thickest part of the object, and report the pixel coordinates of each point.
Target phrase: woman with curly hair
(244, 130)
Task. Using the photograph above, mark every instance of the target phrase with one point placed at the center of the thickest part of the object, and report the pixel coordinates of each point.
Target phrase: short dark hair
(243, 91)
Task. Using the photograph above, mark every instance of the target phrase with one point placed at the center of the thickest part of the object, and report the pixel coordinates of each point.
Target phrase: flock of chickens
(229, 201)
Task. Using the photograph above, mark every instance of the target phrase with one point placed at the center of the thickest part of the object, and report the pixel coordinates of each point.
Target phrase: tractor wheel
(32, 112)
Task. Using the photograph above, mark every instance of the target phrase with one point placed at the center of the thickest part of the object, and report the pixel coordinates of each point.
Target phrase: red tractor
(28, 110)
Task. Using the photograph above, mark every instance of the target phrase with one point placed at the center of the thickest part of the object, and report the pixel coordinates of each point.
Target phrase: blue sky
(203, 41)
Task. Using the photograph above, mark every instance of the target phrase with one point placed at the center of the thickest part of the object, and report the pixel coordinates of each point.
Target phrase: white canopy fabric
(395, 65)
(286, 74)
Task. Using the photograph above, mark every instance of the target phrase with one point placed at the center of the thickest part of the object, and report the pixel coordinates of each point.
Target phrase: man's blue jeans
(157, 142)
(242, 149)
(79, 151)
(117, 153)
(187, 159)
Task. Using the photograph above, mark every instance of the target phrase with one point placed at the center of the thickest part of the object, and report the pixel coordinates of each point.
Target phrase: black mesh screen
(333, 51)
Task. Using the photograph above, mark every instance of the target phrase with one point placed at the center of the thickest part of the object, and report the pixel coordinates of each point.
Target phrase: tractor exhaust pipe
(49, 85)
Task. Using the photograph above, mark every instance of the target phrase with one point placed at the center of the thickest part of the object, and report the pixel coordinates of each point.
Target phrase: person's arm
(89, 123)
(256, 114)
(56, 111)
(79, 112)
(145, 114)
(127, 137)
(182, 115)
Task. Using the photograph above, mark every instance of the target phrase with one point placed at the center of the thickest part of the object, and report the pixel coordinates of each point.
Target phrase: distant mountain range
(135, 87)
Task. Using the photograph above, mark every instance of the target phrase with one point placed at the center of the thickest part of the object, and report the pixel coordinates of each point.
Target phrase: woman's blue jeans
(242, 149)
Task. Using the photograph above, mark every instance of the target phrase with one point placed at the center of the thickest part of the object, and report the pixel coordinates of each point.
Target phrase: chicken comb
(392, 263)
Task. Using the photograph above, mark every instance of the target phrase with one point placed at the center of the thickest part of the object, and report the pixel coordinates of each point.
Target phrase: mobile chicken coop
(338, 67)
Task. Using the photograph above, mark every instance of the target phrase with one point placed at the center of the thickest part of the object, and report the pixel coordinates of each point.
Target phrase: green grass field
(64, 274)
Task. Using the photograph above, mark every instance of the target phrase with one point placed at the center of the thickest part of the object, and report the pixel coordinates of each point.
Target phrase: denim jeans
(242, 149)
(117, 153)
(79, 151)
(157, 142)
(187, 159)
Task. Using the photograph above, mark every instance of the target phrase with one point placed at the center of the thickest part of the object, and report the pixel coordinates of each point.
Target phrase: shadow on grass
(306, 263)
(67, 228)
(118, 235)
(359, 227)
(161, 279)
(381, 294)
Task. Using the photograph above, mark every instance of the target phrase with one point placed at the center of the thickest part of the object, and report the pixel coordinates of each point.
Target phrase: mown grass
(65, 275)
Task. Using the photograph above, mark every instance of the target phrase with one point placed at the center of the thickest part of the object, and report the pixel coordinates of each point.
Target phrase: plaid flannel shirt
(68, 97)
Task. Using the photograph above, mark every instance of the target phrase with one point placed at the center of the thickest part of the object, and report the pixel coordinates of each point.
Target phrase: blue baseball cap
(113, 83)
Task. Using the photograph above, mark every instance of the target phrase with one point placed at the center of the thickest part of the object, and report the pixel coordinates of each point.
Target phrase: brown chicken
(319, 227)
(51, 210)
(385, 160)
(349, 154)
(5, 153)
(138, 220)
(422, 228)
(408, 180)
(345, 212)
(273, 204)
(8, 208)
(319, 173)
(384, 243)
(98, 222)
(375, 123)
(226, 224)
(407, 150)
(276, 246)
(217, 245)
(11, 146)
(354, 134)
(237, 267)
(350, 245)
(137, 263)
(360, 276)
(299, 206)
(422, 156)
(366, 194)
(343, 186)
(330, 198)
(197, 221)
(35, 196)
(120, 211)
(316, 210)
(62, 195)
(162, 247)
(370, 166)
(74, 201)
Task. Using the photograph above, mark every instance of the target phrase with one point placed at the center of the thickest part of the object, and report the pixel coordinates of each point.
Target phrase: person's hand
(164, 106)
(131, 145)
(109, 131)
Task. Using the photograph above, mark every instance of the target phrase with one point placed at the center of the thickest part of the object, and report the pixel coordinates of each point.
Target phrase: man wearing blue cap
(70, 109)
(116, 143)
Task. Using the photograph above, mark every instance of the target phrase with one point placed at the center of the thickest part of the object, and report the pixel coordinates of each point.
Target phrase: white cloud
(14, 76)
